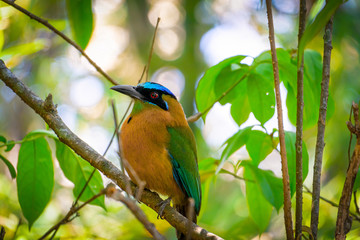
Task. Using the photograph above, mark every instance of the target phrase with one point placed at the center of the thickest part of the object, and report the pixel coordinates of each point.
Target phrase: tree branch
(321, 128)
(284, 166)
(299, 126)
(63, 36)
(65, 135)
(344, 221)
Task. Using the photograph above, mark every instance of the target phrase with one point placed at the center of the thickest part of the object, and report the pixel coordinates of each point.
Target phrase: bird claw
(135, 194)
(162, 206)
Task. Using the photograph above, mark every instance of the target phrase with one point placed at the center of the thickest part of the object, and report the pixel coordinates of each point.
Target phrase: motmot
(158, 144)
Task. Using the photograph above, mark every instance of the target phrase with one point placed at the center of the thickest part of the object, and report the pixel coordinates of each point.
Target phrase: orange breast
(144, 137)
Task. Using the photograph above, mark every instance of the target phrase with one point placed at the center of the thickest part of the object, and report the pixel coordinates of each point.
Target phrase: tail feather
(183, 209)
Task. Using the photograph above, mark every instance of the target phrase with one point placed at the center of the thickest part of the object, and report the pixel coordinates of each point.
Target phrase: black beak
(128, 90)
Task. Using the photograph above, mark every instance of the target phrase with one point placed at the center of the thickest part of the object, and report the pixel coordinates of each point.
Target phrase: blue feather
(156, 86)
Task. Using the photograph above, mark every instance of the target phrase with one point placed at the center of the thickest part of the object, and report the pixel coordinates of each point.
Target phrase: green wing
(182, 151)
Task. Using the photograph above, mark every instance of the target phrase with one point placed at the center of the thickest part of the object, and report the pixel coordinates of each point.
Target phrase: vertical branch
(321, 128)
(344, 221)
(299, 126)
(284, 166)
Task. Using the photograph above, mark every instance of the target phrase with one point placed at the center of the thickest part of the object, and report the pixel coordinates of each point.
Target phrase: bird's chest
(144, 146)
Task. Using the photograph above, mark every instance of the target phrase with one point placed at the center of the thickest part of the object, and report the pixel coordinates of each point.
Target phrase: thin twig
(72, 211)
(321, 128)
(116, 194)
(284, 166)
(354, 215)
(151, 50)
(224, 171)
(116, 128)
(63, 36)
(299, 126)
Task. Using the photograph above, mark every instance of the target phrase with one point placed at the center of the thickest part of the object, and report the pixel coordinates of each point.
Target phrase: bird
(160, 147)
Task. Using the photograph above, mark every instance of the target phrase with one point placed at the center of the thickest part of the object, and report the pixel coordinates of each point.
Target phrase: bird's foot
(162, 206)
(137, 194)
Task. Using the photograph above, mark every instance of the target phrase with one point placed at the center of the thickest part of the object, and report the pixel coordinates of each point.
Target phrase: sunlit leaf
(319, 22)
(233, 144)
(207, 167)
(270, 185)
(227, 78)
(287, 67)
(78, 171)
(261, 97)
(9, 166)
(312, 90)
(290, 139)
(23, 49)
(35, 179)
(3, 139)
(9, 144)
(240, 106)
(81, 20)
(259, 208)
(258, 145)
(1, 40)
(40, 133)
(205, 92)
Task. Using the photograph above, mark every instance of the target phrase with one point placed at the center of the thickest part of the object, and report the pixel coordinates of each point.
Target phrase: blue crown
(156, 86)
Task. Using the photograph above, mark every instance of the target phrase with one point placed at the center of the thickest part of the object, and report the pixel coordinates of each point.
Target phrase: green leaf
(312, 90)
(319, 22)
(233, 144)
(290, 139)
(1, 40)
(240, 106)
(35, 179)
(81, 20)
(9, 165)
(258, 145)
(9, 144)
(261, 97)
(205, 92)
(259, 208)
(78, 171)
(287, 67)
(39, 133)
(227, 78)
(23, 49)
(270, 185)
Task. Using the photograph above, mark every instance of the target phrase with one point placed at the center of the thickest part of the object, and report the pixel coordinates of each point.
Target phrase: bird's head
(148, 92)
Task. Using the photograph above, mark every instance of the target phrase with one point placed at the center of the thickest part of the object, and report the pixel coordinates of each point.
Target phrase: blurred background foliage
(192, 36)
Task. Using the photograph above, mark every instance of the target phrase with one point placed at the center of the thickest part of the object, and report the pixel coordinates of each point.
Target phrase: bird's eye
(154, 95)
